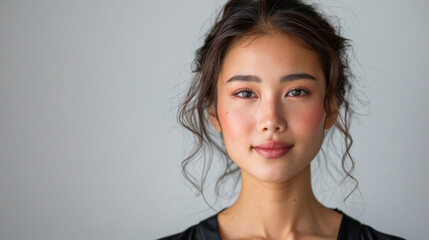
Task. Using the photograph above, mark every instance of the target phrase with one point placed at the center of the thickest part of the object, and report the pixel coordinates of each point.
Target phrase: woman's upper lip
(273, 145)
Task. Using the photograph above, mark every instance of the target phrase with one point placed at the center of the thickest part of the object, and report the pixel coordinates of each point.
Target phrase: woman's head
(244, 22)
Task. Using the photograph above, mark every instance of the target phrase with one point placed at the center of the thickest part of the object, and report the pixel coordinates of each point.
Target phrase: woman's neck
(274, 210)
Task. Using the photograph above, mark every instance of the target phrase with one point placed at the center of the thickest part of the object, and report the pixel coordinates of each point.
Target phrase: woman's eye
(245, 94)
(297, 92)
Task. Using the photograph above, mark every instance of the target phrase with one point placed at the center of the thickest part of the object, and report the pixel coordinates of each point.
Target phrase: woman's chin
(273, 176)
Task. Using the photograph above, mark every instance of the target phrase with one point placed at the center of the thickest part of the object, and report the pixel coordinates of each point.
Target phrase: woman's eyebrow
(244, 78)
(287, 78)
(297, 76)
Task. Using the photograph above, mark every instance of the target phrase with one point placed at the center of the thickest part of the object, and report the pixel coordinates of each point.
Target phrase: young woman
(272, 78)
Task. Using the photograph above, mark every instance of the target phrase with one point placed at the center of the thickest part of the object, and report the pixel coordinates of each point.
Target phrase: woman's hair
(244, 18)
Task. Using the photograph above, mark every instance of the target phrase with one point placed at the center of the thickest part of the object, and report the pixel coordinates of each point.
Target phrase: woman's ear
(330, 119)
(213, 118)
(331, 109)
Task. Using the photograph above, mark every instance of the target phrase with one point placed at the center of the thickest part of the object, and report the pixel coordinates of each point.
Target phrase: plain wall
(89, 146)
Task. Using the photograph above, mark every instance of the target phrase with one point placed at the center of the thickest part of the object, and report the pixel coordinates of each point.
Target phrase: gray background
(89, 147)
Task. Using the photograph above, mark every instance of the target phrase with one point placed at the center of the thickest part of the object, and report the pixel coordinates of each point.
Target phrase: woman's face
(270, 106)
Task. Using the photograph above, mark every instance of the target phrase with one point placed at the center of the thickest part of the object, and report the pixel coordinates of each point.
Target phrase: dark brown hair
(241, 18)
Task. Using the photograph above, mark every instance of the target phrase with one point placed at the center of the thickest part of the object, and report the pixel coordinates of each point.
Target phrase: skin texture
(276, 199)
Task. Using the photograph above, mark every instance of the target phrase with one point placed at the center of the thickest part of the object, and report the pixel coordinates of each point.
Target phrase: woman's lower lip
(272, 153)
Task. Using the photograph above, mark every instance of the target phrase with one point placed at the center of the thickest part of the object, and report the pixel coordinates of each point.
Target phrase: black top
(350, 229)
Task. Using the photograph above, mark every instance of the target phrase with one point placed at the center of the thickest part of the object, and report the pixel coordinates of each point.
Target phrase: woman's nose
(272, 118)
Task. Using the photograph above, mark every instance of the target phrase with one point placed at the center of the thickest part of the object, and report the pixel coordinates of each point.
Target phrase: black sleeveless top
(350, 229)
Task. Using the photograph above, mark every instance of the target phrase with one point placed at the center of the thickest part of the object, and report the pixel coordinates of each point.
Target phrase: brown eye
(297, 92)
(245, 94)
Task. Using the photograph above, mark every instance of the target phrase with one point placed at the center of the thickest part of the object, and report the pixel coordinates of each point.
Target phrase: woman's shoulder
(206, 229)
(353, 229)
(369, 233)
(188, 234)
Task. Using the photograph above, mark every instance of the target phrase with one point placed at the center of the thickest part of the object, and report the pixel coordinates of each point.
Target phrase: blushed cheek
(234, 123)
(311, 119)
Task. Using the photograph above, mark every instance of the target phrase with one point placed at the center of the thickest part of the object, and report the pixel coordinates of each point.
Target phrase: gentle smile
(272, 149)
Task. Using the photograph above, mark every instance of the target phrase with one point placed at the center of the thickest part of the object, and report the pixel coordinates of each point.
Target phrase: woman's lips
(273, 149)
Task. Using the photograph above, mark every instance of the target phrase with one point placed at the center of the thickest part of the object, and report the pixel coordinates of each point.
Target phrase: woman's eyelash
(297, 92)
(245, 93)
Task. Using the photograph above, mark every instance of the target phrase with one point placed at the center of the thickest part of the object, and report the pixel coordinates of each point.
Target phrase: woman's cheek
(235, 118)
(306, 118)
(236, 123)
(309, 118)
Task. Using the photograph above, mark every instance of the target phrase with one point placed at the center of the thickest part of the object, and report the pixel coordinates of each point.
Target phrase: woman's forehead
(274, 54)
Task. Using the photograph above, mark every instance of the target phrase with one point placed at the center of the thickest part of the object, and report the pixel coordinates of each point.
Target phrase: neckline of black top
(350, 229)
